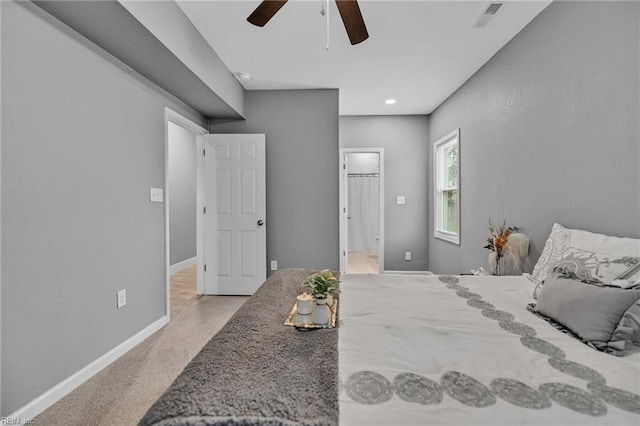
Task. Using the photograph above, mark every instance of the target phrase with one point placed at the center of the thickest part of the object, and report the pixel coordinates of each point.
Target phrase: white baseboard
(409, 272)
(44, 401)
(173, 269)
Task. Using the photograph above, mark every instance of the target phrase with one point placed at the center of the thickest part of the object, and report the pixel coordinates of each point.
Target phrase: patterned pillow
(591, 257)
(553, 251)
(591, 266)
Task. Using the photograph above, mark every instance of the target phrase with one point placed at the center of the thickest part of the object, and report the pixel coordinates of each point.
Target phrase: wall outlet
(122, 298)
(407, 255)
(400, 199)
(156, 195)
(274, 265)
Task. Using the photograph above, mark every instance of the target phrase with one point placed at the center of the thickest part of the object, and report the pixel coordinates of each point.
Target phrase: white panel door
(235, 235)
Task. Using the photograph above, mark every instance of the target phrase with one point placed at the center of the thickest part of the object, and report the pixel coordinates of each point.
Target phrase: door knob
(260, 222)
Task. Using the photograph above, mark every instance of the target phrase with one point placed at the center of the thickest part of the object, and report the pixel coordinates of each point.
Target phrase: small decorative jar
(321, 312)
(305, 304)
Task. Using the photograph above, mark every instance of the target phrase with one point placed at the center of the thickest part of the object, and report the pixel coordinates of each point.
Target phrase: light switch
(122, 298)
(400, 199)
(156, 195)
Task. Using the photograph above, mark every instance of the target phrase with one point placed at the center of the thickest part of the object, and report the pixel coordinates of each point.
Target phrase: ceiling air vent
(488, 13)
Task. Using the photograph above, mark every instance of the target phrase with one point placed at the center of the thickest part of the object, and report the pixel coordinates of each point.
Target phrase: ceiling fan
(349, 12)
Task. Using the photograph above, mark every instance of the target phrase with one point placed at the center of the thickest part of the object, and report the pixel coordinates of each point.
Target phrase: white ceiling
(418, 52)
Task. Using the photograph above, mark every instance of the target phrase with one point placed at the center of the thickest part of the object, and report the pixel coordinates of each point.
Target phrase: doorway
(182, 197)
(362, 188)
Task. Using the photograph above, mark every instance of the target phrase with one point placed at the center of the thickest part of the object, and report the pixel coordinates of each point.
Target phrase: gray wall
(158, 41)
(168, 23)
(301, 128)
(405, 140)
(549, 132)
(82, 142)
(182, 193)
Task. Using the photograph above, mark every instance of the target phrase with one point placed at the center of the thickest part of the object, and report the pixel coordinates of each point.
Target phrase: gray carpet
(120, 394)
(256, 371)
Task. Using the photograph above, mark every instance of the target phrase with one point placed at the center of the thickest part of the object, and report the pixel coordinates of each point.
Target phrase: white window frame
(438, 166)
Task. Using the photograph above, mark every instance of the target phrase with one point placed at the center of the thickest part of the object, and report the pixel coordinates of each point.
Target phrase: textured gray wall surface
(301, 128)
(549, 132)
(405, 140)
(120, 30)
(83, 140)
(182, 193)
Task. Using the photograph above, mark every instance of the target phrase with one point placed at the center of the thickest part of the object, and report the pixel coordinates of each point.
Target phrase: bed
(451, 350)
(426, 349)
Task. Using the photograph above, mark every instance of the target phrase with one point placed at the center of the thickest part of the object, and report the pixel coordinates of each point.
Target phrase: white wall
(363, 162)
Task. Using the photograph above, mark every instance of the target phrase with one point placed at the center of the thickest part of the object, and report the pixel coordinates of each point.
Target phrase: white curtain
(364, 195)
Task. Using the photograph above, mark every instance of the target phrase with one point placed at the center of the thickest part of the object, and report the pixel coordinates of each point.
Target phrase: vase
(321, 312)
(499, 267)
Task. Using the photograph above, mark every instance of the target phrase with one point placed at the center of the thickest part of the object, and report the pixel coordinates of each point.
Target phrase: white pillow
(553, 251)
(590, 256)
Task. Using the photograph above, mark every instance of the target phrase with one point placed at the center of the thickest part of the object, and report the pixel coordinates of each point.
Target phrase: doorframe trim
(171, 116)
(344, 228)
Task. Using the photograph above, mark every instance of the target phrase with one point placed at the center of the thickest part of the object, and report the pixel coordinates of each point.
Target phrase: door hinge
(204, 210)
(344, 210)
(204, 152)
(205, 268)
(344, 253)
(344, 166)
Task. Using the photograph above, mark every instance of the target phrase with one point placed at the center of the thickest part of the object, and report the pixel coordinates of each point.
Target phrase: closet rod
(362, 174)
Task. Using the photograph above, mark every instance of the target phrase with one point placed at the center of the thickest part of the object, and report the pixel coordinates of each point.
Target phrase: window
(446, 155)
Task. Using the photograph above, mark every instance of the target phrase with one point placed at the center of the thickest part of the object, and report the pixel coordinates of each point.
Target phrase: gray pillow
(607, 317)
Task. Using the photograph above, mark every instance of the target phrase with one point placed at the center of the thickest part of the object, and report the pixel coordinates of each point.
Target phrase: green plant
(321, 284)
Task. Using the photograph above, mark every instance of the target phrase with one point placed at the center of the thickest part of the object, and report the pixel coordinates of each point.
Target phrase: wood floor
(362, 263)
(183, 289)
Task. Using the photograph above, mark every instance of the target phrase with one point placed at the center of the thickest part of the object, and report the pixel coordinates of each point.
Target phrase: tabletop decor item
(321, 285)
(305, 322)
(304, 304)
(321, 312)
(498, 244)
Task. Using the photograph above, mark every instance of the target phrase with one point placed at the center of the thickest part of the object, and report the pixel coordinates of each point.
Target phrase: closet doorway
(182, 205)
(362, 218)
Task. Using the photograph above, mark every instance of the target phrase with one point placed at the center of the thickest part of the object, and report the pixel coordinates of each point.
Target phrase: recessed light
(390, 101)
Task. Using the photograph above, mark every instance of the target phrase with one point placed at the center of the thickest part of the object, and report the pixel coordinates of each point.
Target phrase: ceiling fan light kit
(349, 12)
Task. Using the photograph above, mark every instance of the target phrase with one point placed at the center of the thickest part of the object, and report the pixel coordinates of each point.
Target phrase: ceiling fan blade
(353, 21)
(265, 11)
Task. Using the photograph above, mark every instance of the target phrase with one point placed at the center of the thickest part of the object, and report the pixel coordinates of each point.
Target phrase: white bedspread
(404, 338)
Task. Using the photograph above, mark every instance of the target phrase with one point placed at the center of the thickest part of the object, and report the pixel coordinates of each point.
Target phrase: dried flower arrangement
(498, 243)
